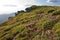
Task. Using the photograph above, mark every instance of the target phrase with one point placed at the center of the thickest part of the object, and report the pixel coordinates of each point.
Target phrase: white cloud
(26, 2)
(52, 1)
(8, 6)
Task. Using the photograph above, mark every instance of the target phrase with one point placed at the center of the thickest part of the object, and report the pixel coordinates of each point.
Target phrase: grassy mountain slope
(41, 23)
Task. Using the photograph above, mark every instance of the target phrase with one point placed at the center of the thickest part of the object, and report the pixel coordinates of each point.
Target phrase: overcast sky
(9, 6)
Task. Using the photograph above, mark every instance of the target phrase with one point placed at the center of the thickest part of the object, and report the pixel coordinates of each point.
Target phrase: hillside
(37, 23)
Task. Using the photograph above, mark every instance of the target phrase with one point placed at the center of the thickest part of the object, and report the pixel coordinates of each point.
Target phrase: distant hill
(36, 23)
(4, 17)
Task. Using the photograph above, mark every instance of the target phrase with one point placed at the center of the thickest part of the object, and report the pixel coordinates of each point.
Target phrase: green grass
(33, 25)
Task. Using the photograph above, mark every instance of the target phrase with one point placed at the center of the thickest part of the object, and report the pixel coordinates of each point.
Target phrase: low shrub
(50, 11)
(57, 12)
(31, 8)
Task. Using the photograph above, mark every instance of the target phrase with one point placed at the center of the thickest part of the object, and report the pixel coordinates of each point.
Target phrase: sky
(49, 2)
(9, 6)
